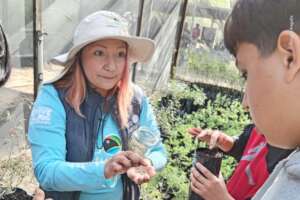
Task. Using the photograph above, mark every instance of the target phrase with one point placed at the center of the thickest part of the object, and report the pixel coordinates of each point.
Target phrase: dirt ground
(21, 79)
(15, 102)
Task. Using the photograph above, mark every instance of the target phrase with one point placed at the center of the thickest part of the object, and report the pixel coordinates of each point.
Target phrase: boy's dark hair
(260, 22)
(5, 67)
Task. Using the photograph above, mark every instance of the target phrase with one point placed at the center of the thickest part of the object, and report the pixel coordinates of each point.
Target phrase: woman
(81, 121)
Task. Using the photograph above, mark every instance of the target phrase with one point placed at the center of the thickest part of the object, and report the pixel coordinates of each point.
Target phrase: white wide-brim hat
(107, 25)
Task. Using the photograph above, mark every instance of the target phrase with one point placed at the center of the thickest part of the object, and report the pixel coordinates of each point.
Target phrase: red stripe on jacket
(252, 171)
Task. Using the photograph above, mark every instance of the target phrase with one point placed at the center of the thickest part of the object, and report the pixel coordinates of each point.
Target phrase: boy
(264, 37)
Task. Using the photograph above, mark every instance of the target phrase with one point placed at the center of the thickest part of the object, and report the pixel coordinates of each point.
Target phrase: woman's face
(104, 62)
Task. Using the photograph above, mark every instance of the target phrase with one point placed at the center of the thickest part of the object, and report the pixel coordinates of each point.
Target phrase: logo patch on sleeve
(41, 115)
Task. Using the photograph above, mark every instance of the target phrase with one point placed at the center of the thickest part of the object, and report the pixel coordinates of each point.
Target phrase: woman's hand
(213, 138)
(141, 174)
(39, 195)
(121, 162)
(207, 185)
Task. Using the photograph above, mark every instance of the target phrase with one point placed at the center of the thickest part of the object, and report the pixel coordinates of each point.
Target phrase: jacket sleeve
(48, 144)
(157, 154)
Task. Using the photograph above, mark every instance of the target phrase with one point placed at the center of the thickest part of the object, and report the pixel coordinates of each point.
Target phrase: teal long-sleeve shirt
(47, 128)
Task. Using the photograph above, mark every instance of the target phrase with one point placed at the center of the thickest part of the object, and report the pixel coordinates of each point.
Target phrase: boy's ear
(289, 46)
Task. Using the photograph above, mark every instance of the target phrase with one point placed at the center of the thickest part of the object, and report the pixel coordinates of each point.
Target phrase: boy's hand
(121, 162)
(214, 138)
(207, 185)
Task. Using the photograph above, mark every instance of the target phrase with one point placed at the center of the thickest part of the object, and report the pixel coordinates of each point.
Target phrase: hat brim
(140, 49)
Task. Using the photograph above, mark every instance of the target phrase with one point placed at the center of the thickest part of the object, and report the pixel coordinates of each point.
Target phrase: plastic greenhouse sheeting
(159, 23)
(202, 55)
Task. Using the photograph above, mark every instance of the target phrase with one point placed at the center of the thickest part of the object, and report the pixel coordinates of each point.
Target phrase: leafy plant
(208, 65)
(223, 113)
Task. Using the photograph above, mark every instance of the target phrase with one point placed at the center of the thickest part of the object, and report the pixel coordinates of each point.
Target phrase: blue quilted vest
(83, 132)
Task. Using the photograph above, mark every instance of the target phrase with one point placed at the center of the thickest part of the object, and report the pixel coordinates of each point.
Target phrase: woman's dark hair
(5, 67)
(260, 22)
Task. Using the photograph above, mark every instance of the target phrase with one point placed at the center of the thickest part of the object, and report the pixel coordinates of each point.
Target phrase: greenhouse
(191, 81)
